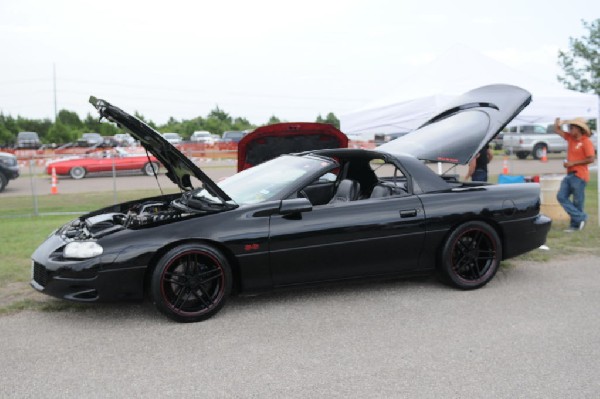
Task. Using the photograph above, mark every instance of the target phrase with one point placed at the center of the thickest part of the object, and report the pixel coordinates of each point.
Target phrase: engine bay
(138, 215)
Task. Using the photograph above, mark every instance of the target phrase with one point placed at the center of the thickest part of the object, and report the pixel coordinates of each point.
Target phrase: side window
(539, 129)
(513, 129)
(328, 177)
(527, 129)
(320, 191)
(391, 181)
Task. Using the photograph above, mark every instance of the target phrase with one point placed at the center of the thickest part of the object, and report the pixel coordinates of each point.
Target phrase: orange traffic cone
(544, 155)
(54, 188)
(505, 166)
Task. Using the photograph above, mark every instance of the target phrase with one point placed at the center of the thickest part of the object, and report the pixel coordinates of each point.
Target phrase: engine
(138, 215)
(149, 213)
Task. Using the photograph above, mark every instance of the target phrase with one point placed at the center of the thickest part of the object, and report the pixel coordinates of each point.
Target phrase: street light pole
(54, 80)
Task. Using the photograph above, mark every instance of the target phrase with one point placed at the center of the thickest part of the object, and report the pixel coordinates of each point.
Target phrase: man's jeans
(573, 185)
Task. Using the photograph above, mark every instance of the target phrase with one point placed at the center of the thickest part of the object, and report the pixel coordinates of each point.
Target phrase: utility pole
(54, 80)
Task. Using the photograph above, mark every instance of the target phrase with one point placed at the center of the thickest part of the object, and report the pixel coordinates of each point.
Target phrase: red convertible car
(104, 161)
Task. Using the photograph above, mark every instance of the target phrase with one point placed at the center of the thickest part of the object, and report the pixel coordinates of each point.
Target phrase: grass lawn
(20, 236)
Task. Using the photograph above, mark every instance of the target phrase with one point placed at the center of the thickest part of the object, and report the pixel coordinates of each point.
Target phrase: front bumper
(89, 286)
(86, 280)
(11, 172)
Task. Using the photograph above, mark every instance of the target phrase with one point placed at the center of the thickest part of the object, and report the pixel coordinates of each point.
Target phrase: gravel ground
(533, 332)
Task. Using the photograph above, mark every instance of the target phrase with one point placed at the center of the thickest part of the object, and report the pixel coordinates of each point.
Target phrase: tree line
(68, 126)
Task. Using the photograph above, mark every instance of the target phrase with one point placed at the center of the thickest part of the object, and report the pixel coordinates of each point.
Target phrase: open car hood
(464, 127)
(180, 168)
(270, 141)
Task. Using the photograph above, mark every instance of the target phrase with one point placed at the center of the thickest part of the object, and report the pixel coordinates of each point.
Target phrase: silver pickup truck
(523, 140)
(526, 139)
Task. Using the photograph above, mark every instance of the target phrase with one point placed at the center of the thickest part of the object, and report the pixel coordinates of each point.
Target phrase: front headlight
(82, 249)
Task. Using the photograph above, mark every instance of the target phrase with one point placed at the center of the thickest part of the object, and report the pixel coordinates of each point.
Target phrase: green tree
(6, 136)
(220, 115)
(273, 120)
(69, 118)
(330, 118)
(190, 126)
(241, 124)
(92, 123)
(581, 63)
(8, 130)
(10, 123)
(60, 133)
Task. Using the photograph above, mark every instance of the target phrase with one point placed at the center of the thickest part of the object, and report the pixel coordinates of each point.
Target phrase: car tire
(538, 151)
(522, 154)
(150, 167)
(471, 255)
(191, 283)
(78, 172)
(3, 182)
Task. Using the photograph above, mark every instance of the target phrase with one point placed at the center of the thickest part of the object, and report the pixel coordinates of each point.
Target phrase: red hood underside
(268, 142)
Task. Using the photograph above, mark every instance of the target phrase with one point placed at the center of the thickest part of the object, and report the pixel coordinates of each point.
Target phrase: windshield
(270, 179)
(28, 135)
(233, 135)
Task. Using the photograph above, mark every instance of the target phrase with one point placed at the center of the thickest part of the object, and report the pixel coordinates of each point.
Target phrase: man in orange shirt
(580, 153)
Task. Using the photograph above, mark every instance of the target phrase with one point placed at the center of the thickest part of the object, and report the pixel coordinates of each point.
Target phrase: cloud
(20, 29)
(540, 61)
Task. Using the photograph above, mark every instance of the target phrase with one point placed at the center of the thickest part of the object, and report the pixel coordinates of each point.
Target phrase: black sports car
(316, 216)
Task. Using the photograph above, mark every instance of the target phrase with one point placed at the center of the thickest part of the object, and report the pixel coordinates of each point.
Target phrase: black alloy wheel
(471, 255)
(191, 283)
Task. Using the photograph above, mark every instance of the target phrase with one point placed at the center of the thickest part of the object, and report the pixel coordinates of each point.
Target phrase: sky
(260, 58)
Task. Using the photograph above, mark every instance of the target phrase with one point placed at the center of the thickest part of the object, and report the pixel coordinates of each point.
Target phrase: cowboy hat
(581, 123)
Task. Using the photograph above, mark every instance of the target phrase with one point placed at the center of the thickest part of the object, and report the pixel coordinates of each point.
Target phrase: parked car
(9, 169)
(382, 138)
(109, 141)
(172, 138)
(28, 140)
(202, 137)
(317, 216)
(124, 139)
(104, 161)
(90, 140)
(525, 139)
(232, 136)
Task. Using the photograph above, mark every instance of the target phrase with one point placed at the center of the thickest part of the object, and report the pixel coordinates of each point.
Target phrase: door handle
(408, 213)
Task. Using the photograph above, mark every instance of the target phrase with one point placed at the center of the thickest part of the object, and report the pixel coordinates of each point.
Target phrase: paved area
(532, 332)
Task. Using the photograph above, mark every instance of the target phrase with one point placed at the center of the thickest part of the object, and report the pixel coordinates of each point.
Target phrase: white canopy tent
(455, 72)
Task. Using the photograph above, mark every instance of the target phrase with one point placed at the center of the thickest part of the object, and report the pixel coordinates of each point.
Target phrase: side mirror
(295, 205)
